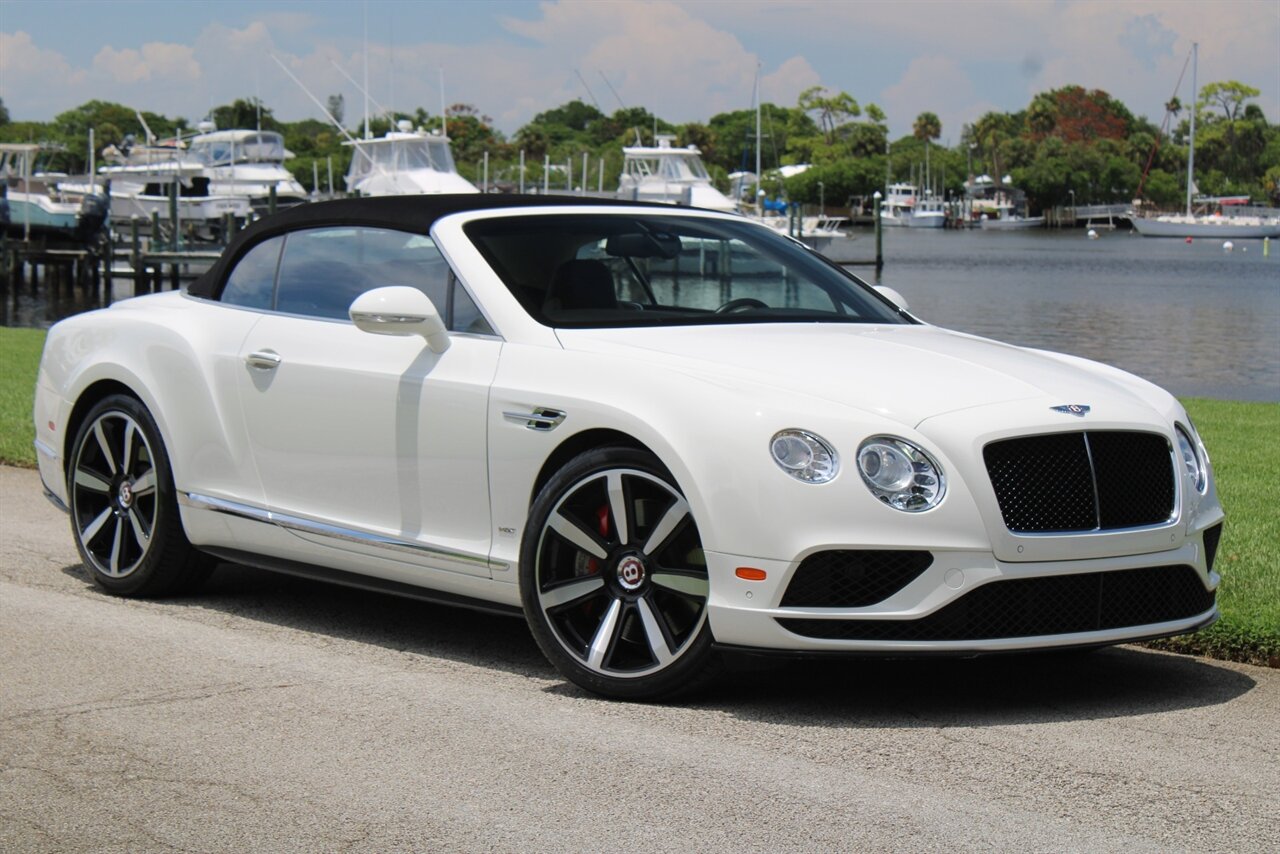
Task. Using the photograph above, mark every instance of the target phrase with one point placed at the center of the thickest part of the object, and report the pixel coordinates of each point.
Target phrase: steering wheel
(740, 304)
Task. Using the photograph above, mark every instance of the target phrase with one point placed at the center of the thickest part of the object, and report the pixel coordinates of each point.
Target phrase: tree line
(1069, 145)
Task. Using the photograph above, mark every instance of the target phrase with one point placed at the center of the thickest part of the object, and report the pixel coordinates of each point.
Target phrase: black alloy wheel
(124, 510)
(614, 580)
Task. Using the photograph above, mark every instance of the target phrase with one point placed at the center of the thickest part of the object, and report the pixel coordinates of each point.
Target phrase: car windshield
(575, 270)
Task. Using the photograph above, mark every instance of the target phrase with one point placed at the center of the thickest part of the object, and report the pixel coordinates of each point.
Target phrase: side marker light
(749, 573)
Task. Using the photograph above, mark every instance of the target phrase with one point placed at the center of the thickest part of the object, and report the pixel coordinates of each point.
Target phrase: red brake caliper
(602, 520)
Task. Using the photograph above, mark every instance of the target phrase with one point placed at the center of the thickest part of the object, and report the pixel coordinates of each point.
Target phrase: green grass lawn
(1243, 444)
(19, 358)
(1242, 439)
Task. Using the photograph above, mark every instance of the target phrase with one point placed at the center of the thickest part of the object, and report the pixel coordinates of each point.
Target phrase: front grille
(852, 579)
(1089, 481)
(1211, 537)
(1030, 607)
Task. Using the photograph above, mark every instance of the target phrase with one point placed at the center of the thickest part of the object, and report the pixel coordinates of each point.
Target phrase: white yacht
(246, 163)
(143, 176)
(404, 162)
(904, 206)
(929, 212)
(898, 204)
(664, 173)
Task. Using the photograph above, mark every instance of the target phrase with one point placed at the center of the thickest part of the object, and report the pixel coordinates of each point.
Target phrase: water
(1189, 317)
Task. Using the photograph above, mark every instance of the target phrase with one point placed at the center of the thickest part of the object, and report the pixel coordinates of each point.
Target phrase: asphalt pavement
(275, 714)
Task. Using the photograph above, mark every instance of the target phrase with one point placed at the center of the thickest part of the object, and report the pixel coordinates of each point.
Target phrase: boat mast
(758, 165)
(367, 134)
(444, 111)
(1191, 154)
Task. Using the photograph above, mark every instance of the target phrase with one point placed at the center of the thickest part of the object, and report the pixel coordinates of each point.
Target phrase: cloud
(784, 85)
(936, 84)
(1147, 40)
(21, 60)
(684, 60)
(289, 22)
(656, 54)
(156, 60)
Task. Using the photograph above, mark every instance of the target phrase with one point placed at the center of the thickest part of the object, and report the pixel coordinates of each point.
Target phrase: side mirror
(400, 310)
(893, 296)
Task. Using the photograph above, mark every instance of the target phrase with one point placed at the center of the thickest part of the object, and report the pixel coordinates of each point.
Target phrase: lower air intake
(1030, 607)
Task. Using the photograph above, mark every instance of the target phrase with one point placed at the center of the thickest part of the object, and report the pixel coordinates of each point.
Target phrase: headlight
(804, 456)
(1191, 462)
(900, 474)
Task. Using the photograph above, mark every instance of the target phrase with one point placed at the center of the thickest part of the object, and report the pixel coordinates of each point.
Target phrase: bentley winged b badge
(1077, 409)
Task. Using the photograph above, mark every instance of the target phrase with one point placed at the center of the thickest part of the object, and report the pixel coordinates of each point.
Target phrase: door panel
(373, 433)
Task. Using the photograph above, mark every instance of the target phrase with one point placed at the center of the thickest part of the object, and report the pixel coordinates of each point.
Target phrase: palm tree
(927, 127)
(991, 131)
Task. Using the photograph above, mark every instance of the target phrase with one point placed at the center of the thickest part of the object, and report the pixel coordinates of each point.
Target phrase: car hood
(906, 373)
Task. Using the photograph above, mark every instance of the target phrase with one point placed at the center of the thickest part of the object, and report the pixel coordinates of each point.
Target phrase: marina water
(1193, 318)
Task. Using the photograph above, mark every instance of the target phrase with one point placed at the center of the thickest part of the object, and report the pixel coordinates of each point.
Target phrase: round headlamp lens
(805, 456)
(900, 474)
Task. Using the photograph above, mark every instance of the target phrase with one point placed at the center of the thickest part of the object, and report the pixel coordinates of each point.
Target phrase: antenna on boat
(363, 91)
(758, 162)
(1195, 99)
(611, 89)
(365, 52)
(444, 111)
(146, 130)
(328, 115)
(590, 95)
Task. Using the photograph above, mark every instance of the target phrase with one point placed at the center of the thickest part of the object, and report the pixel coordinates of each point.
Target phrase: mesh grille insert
(1029, 607)
(1099, 480)
(852, 579)
(1211, 538)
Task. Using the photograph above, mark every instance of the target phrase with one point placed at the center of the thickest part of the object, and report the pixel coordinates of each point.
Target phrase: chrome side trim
(388, 319)
(45, 451)
(541, 418)
(320, 528)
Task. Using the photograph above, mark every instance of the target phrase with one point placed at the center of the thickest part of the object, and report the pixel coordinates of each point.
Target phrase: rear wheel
(124, 509)
(613, 577)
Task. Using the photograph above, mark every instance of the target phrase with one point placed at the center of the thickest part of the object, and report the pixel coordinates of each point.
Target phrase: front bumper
(748, 614)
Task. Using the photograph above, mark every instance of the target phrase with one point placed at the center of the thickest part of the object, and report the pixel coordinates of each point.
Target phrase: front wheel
(124, 509)
(614, 580)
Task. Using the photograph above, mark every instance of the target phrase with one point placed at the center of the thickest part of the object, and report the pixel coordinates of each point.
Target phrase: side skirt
(361, 582)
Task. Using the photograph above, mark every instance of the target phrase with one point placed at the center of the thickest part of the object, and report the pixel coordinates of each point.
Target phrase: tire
(124, 509)
(620, 610)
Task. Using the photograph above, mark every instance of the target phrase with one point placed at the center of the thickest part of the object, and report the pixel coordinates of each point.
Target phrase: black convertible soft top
(406, 213)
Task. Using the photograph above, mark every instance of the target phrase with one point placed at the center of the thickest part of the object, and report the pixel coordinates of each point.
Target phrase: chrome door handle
(264, 359)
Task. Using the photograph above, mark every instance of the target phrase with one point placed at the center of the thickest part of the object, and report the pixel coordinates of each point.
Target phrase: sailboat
(1215, 225)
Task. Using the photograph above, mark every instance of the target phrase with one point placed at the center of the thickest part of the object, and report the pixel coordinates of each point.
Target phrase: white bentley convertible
(658, 433)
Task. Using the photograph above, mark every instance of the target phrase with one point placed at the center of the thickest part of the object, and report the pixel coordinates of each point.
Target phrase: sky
(684, 60)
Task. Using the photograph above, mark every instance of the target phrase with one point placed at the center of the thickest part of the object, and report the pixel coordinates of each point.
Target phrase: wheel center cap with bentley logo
(1077, 409)
(631, 572)
(125, 494)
